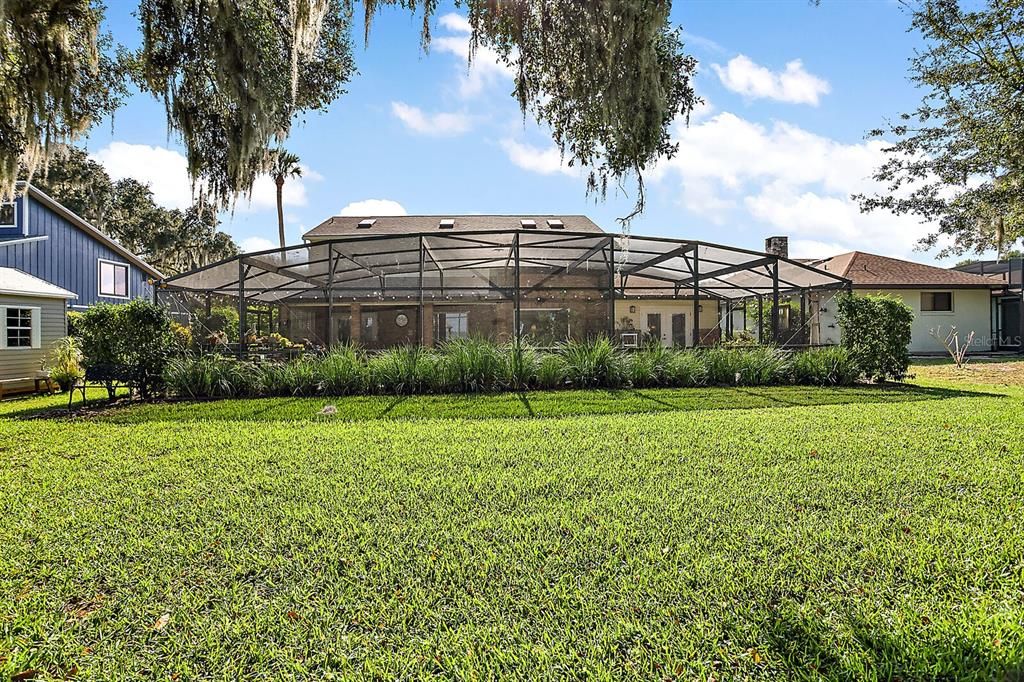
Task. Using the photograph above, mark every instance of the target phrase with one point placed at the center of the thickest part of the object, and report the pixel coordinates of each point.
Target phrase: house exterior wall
(69, 257)
(972, 311)
(26, 362)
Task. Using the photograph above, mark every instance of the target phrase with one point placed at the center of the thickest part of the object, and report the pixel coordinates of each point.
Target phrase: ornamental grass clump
(471, 365)
(833, 366)
(594, 364)
(405, 370)
(649, 366)
(212, 376)
(342, 371)
(687, 369)
(520, 365)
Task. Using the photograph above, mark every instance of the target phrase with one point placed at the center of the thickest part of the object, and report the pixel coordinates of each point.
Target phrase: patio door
(679, 330)
(1008, 312)
(654, 328)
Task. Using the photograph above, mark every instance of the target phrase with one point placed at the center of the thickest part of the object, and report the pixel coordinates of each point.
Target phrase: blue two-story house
(40, 237)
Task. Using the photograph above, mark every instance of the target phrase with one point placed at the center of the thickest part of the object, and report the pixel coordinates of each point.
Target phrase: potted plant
(64, 363)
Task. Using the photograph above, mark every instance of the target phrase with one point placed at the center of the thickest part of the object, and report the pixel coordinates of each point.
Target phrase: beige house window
(936, 301)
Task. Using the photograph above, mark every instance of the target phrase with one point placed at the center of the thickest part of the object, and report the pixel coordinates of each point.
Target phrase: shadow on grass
(808, 644)
(523, 405)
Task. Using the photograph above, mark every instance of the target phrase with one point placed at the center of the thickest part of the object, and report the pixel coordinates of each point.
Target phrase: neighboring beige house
(32, 316)
(940, 298)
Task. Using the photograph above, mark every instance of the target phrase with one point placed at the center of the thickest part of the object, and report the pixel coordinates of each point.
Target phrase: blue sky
(791, 90)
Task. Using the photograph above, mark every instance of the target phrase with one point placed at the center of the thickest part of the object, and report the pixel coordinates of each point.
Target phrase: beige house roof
(343, 226)
(868, 270)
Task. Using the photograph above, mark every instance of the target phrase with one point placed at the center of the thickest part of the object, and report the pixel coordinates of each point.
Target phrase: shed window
(20, 327)
(937, 301)
(113, 279)
(8, 216)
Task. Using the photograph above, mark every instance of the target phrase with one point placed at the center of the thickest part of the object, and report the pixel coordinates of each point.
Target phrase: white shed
(33, 314)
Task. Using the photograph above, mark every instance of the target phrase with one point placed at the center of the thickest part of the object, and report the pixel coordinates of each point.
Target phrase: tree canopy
(172, 241)
(607, 76)
(958, 159)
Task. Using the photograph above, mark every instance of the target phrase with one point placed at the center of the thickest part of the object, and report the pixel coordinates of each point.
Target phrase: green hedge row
(472, 366)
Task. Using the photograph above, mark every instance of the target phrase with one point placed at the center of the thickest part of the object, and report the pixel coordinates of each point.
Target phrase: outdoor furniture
(39, 378)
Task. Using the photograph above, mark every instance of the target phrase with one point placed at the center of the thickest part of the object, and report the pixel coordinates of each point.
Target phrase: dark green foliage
(876, 330)
(146, 344)
(551, 371)
(687, 369)
(127, 344)
(755, 366)
(833, 366)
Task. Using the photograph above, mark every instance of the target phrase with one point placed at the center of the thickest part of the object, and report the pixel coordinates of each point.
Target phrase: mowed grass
(675, 534)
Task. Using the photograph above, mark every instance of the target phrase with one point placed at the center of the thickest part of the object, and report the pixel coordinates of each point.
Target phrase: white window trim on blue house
(127, 279)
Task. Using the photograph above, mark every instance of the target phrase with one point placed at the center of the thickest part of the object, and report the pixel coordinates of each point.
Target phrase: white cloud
(456, 23)
(439, 124)
(750, 79)
(164, 170)
(373, 207)
(166, 173)
(250, 244)
(787, 180)
(483, 70)
(547, 161)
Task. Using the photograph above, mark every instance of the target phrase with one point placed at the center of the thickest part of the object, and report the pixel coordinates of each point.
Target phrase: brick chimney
(777, 246)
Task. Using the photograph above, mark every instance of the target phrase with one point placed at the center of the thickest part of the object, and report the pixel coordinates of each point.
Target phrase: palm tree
(283, 165)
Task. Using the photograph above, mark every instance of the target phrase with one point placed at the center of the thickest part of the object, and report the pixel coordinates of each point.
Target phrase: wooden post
(775, 302)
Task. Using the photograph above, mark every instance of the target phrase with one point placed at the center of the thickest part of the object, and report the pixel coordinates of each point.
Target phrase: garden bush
(876, 331)
(127, 344)
(475, 366)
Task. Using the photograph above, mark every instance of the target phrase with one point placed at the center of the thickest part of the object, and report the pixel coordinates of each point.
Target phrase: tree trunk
(280, 210)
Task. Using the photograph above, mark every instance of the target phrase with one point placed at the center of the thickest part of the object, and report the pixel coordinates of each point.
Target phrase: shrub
(222, 319)
(97, 328)
(833, 366)
(876, 330)
(470, 365)
(74, 318)
(405, 370)
(212, 376)
(551, 371)
(64, 362)
(342, 371)
(687, 369)
(520, 365)
(591, 364)
(649, 366)
(182, 336)
(128, 343)
(757, 366)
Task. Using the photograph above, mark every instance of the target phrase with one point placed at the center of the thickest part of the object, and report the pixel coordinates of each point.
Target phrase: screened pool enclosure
(384, 290)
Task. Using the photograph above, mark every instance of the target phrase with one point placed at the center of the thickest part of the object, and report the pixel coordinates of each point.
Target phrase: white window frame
(127, 279)
(35, 332)
(14, 205)
(952, 302)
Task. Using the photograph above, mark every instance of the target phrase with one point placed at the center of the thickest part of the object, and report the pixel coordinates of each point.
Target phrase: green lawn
(657, 534)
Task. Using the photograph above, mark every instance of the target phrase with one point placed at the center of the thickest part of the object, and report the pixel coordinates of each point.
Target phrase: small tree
(951, 342)
(876, 330)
